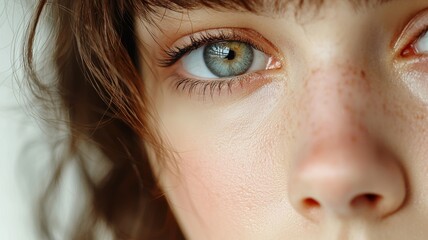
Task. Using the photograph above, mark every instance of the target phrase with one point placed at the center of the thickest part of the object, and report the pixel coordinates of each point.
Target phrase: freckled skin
(331, 147)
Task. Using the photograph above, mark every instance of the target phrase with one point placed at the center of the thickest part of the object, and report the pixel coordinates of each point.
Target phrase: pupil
(231, 55)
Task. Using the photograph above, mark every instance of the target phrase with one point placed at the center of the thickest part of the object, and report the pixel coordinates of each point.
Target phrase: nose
(338, 179)
(341, 170)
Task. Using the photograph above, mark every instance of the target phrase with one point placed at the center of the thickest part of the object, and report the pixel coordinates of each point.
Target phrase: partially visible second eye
(421, 44)
(224, 60)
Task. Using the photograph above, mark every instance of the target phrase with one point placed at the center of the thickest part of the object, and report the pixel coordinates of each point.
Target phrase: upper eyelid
(194, 42)
(231, 34)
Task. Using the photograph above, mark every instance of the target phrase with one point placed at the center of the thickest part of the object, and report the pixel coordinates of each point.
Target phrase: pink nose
(341, 180)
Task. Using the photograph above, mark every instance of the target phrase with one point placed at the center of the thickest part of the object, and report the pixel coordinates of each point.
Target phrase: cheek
(225, 186)
(231, 166)
(222, 183)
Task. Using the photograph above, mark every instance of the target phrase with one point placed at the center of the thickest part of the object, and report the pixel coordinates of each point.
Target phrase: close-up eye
(220, 55)
(224, 59)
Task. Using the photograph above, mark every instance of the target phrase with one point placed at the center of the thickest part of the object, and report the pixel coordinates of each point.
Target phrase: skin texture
(327, 144)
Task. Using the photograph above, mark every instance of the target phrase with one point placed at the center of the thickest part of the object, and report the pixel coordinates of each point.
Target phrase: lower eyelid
(231, 88)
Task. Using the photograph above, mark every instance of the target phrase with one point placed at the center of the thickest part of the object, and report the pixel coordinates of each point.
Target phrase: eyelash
(212, 86)
(174, 54)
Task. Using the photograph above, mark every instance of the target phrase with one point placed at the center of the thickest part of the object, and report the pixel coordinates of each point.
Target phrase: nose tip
(347, 185)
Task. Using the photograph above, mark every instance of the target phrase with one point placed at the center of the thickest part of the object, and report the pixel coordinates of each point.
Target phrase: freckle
(353, 138)
(420, 117)
(318, 150)
(362, 128)
(384, 107)
(365, 82)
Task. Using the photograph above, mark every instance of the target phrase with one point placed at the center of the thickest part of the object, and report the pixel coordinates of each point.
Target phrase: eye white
(194, 63)
(421, 45)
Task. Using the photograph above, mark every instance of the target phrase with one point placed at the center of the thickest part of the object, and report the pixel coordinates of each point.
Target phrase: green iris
(229, 58)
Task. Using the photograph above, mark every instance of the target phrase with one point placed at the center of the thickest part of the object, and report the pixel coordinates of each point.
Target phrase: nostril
(311, 208)
(372, 198)
(366, 200)
(311, 203)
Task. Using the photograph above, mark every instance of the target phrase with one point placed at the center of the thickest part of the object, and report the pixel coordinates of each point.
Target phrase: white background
(25, 163)
(17, 130)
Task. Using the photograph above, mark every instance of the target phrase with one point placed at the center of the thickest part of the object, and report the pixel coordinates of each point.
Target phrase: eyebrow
(260, 7)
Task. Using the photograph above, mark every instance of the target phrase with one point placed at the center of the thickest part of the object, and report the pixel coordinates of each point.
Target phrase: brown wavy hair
(97, 92)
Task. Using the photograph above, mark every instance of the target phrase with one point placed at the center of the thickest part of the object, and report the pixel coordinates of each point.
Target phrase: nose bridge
(340, 167)
(334, 100)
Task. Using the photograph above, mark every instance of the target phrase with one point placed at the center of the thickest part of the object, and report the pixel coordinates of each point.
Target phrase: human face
(320, 135)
